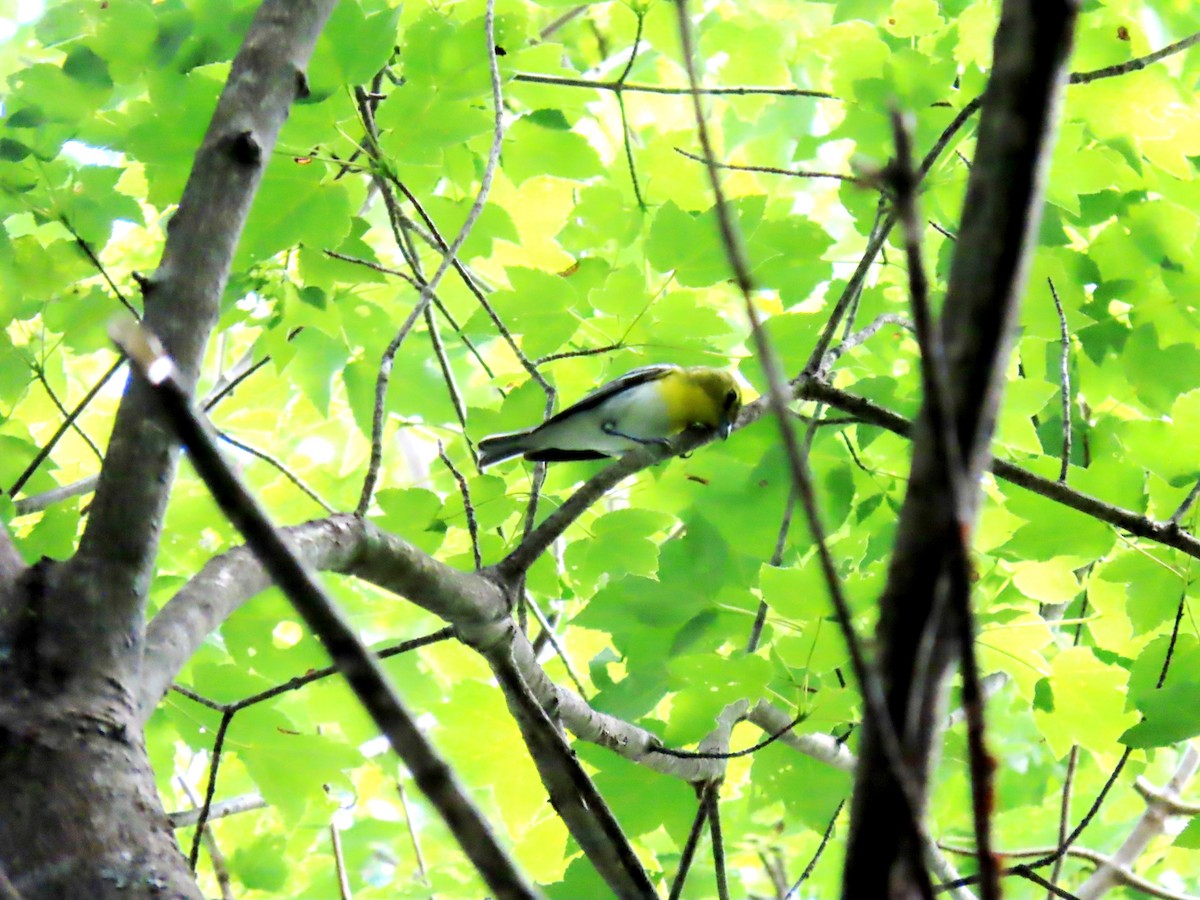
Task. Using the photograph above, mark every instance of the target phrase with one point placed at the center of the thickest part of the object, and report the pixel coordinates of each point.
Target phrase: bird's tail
(500, 447)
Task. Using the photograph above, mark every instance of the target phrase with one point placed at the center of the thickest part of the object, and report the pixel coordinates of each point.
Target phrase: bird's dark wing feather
(602, 393)
(552, 455)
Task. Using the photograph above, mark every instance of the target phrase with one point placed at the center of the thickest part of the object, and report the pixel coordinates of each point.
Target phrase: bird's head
(724, 395)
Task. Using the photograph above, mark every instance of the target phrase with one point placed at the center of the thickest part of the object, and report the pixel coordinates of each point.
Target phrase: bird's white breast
(639, 411)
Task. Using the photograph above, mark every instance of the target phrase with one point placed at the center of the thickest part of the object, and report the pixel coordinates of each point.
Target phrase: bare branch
(718, 842)
(999, 226)
(745, 91)
(1135, 524)
(63, 428)
(1064, 375)
(957, 592)
(448, 259)
(773, 170)
(360, 668)
(343, 878)
(100, 595)
(231, 807)
(833, 354)
(40, 374)
(468, 506)
(693, 840)
(1181, 510)
(572, 792)
(278, 466)
(794, 893)
(1133, 65)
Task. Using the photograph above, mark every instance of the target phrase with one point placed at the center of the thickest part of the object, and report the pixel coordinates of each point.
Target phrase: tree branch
(299, 584)
(449, 258)
(97, 601)
(1149, 825)
(1001, 214)
(1166, 533)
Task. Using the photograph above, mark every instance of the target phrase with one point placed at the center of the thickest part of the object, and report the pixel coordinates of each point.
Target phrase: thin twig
(437, 303)
(734, 754)
(718, 843)
(215, 856)
(626, 131)
(565, 19)
(774, 170)
(693, 840)
(552, 639)
(439, 351)
(468, 507)
(40, 373)
(1064, 815)
(1134, 65)
(339, 863)
(48, 447)
(812, 863)
(374, 266)
(745, 91)
(412, 831)
(850, 341)
(95, 260)
(472, 285)
(230, 386)
(1181, 511)
(1055, 890)
(313, 675)
(572, 354)
(785, 525)
(448, 259)
(1064, 374)
(213, 768)
(281, 468)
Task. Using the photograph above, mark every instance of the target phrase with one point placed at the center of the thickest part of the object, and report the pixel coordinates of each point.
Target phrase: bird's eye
(730, 399)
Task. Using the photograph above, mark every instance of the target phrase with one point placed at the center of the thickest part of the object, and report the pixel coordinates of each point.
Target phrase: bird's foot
(611, 428)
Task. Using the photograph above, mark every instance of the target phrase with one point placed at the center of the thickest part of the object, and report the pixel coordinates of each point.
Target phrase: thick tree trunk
(82, 817)
(79, 810)
(81, 813)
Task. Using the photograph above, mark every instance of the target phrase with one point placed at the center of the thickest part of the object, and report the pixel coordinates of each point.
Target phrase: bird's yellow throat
(687, 400)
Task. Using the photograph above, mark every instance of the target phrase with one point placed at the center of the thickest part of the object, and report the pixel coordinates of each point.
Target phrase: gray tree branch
(1112, 871)
(97, 600)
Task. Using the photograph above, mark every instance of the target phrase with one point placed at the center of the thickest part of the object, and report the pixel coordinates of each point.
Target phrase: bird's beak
(724, 429)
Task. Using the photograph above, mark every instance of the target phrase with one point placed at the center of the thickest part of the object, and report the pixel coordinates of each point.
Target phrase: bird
(643, 406)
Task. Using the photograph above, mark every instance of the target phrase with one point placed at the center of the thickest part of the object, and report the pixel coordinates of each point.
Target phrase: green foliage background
(104, 106)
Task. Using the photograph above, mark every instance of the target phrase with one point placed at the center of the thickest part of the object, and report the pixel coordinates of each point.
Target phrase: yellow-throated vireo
(645, 406)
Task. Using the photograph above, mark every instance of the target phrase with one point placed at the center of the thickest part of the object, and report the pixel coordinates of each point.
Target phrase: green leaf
(446, 122)
(414, 513)
(534, 149)
(322, 358)
(262, 864)
(1171, 716)
(1189, 838)
(1089, 697)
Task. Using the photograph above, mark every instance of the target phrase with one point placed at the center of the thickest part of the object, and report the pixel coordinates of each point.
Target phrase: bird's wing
(617, 385)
